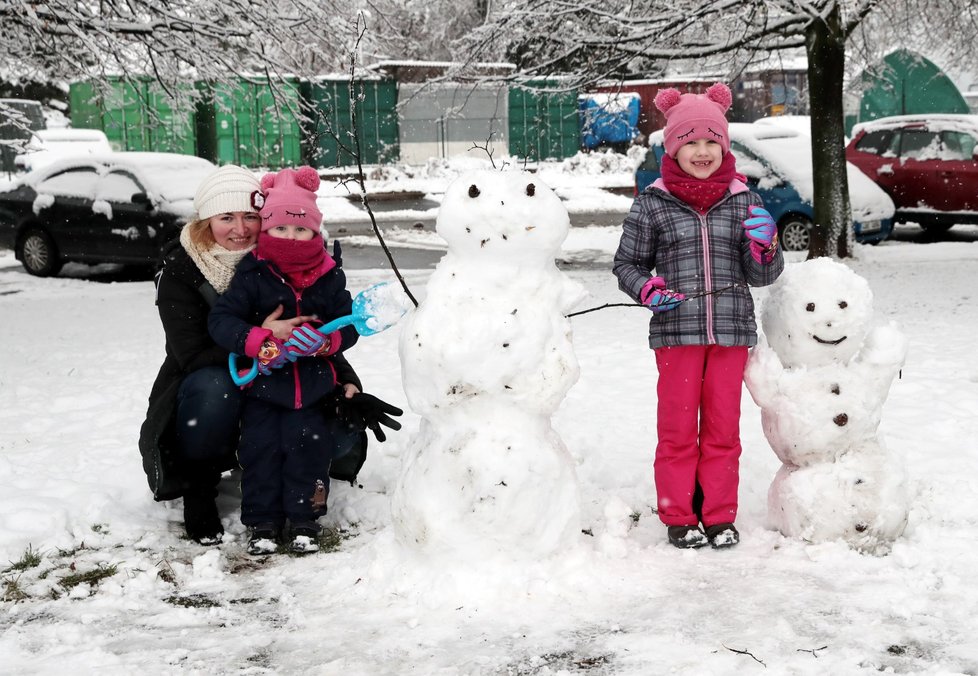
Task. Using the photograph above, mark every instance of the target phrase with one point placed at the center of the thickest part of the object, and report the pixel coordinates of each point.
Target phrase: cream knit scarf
(216, 263)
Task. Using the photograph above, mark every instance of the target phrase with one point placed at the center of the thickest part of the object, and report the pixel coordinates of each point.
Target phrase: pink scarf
(301, 261)
(700, 193)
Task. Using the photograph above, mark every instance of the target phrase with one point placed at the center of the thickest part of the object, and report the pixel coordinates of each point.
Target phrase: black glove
(366, 412)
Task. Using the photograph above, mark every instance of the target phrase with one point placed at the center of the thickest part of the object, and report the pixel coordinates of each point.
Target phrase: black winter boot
(722, 535)
(200, 516)
(686, 537)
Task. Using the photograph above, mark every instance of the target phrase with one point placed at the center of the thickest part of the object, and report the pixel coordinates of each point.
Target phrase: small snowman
(486, 360)
(821, 375)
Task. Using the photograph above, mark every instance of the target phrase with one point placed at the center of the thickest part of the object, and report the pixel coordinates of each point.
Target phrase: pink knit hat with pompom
(690, 117)
(290, 199)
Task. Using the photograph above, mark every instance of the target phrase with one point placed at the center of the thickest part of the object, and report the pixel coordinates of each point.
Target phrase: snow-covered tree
(174, 42)
(595, 41)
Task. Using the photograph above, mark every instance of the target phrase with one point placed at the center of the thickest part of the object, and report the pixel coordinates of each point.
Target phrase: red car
(928, 164)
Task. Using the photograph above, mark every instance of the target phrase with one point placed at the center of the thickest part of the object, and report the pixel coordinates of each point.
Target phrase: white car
(49, 145)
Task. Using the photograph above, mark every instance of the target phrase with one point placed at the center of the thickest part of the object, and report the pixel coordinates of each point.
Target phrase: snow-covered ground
(98, 578)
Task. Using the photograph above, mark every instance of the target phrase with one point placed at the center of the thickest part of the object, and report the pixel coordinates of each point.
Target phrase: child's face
(700, 158)
(291, 232)
(237, 230)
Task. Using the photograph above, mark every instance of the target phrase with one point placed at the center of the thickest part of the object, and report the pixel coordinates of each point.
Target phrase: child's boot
(722, 535)
(305, 538)
(687, 537)
(263, 539)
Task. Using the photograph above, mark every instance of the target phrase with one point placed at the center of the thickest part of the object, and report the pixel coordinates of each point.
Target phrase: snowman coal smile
(828, 342)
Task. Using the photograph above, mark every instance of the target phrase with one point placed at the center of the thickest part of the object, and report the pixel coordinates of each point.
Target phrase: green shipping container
(543, 124)
(250, 124)
(135, 114)
(330, 135)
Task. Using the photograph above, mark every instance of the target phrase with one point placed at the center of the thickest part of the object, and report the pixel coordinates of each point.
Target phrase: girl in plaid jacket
(703, 230)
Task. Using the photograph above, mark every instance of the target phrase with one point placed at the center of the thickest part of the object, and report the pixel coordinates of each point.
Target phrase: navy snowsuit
(282, 451)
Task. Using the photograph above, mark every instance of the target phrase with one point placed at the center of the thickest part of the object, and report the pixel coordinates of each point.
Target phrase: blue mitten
(760, 227)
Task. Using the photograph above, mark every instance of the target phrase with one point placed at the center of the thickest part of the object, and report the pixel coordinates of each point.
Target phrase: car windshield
(172, 177)
(790, 156)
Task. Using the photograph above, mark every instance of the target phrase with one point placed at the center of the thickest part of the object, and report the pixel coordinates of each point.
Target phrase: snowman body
(486, 359)
(821, 376)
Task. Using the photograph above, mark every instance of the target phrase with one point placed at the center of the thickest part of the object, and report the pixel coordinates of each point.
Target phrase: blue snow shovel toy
(375, 309)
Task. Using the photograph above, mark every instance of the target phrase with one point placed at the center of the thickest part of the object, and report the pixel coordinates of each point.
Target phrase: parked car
(778, 164)
(928, 164)
(116, 208)
(50, 145)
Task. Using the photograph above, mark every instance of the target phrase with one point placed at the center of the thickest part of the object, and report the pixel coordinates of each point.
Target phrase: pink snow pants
(699, 394)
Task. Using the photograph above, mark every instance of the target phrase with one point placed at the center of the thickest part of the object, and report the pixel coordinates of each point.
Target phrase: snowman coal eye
(843, 305)
(810, 307)
(531, 189)
(473, 191)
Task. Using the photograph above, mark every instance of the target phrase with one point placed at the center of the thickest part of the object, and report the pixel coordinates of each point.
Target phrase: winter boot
(305, 538)
(263, 539)
(722, 535)
(200, 516)
(687, 537)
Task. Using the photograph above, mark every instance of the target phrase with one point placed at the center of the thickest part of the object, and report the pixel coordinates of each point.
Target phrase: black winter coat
(184, 299)
(256, 290)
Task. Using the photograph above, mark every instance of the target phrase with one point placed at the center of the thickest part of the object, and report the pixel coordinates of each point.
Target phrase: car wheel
(37, 252)
(794, 233)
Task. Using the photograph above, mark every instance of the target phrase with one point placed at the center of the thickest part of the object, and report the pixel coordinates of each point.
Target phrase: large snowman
(821, 375)
(486, 360)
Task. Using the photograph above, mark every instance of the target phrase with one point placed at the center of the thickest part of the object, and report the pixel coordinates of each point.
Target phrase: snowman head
(818, 313)
(504, 216)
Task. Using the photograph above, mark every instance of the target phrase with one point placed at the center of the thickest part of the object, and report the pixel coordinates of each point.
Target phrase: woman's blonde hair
(199, 232)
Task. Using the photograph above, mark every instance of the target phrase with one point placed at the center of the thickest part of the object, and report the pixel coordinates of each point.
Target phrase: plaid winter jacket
(695, 254)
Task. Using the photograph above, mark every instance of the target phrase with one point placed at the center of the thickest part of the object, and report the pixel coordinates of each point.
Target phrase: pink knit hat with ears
(690, 117)
(290, 199)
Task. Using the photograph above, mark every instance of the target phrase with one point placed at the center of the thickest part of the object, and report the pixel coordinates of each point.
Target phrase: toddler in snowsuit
(703, 230)
(285, 439)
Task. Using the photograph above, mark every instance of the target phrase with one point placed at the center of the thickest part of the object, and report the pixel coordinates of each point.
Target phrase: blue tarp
(608, 119)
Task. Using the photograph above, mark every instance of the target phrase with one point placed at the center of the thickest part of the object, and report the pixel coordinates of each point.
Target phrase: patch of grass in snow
(330, 539)
(65, 553)
(100, 528)
(247, 600)
(262, 658)
(30, 559)
(244, 564)
(12, 591)
(166, 572)
(192, 601)
(92, 577)
(559, 662)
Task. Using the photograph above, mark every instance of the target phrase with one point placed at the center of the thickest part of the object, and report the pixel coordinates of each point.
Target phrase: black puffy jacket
(184, 299)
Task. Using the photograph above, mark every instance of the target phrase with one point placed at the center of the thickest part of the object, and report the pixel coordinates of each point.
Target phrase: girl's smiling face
(700, 158)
